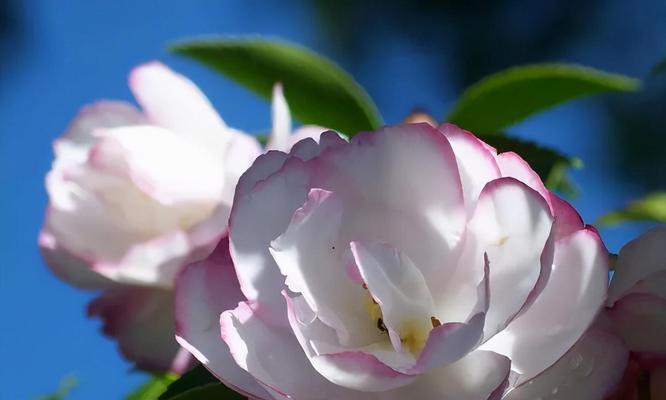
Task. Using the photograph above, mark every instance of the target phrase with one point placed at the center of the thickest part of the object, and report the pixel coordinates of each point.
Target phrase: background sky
(58, 56)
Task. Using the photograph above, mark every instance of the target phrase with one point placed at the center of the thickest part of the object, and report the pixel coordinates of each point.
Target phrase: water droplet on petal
(575, 360)
(588, 368)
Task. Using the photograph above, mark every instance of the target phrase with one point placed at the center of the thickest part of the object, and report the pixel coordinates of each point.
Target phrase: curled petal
(478, 375)
(203, 291)
(274, 357)
(476, 163)
(568, 304)
(172, 101)
(590, 370)
(141, 319)
(640, 319)
(637, 261)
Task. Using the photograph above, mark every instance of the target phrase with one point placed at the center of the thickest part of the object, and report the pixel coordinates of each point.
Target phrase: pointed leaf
(198, 383)
(509, 96)
(650, 208)
(318, 91)
(153, 388)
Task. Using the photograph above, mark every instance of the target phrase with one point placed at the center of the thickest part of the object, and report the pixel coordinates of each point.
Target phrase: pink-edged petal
(401, 291)
(476, 163)
(66, 265)
(279, 139)
(550, 326)
(203, 291)
(590, 370)
(376, 177)
(637, 261)
(176, 103)
(141, 320)
(273, 356)
(181, 171)
(73, 145)
(567, 219)
(312, 258)
(239, 155)
(407, 309)
(477, 376)
(511, 226)
(353, 369)
(257, 218)
(512, 165)
(152, 263)
(640, 319)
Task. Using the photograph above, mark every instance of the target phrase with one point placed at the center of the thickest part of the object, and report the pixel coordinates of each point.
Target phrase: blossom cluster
(410, 261)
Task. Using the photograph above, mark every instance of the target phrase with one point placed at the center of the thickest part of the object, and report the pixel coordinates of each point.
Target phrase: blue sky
(76, 52)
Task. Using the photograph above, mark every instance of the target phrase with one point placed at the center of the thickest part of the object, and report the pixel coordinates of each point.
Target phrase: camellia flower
(412, 262)
(137, 194)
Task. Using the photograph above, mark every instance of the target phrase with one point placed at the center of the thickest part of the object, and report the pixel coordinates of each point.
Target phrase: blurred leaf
(318, 91)
(551, 165)
(650, 208)
(198, 383)
(509, 96)
(67, 384)
(152, 389)
(659, 68)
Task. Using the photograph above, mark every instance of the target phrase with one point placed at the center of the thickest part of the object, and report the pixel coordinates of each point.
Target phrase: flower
(411, 261)
(624, 352)
(137, 194)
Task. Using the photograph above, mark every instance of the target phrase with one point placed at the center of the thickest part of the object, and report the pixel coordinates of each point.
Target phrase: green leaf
(198, 383)
(509, 96)
(659, 68)
(210, 391)
(67, 384)
(550, 164)
(318, 91)
(152, 389)
(650, 208)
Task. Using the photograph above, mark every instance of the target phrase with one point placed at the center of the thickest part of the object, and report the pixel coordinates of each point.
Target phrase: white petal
(141, 319)
(311, 257)
(274, 357)
(257, 218)
(281, 121)
(203, 291)
(590, 370)
(73, 145)
(637, 261)
(479, 375)
(172, 101)
(562, 312)
(476, 163)
(401, 186)
(511, 225)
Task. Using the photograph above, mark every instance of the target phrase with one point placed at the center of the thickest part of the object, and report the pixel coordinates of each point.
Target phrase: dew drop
(575, 360)
(588, 368)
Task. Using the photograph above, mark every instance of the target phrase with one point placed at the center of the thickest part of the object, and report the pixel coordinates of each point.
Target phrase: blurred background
(57, 56)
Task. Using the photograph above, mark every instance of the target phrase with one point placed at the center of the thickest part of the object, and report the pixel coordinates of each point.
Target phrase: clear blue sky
(75, 52)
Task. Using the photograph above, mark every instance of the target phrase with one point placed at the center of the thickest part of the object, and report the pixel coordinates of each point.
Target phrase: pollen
(435, 322)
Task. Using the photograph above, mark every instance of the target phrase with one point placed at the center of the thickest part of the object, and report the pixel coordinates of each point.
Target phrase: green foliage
(650, 208)
(67, 384)
(153, 388)
(318, 91)
(199, 384)
(548, 163)
(659, 68)
(509, 96)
